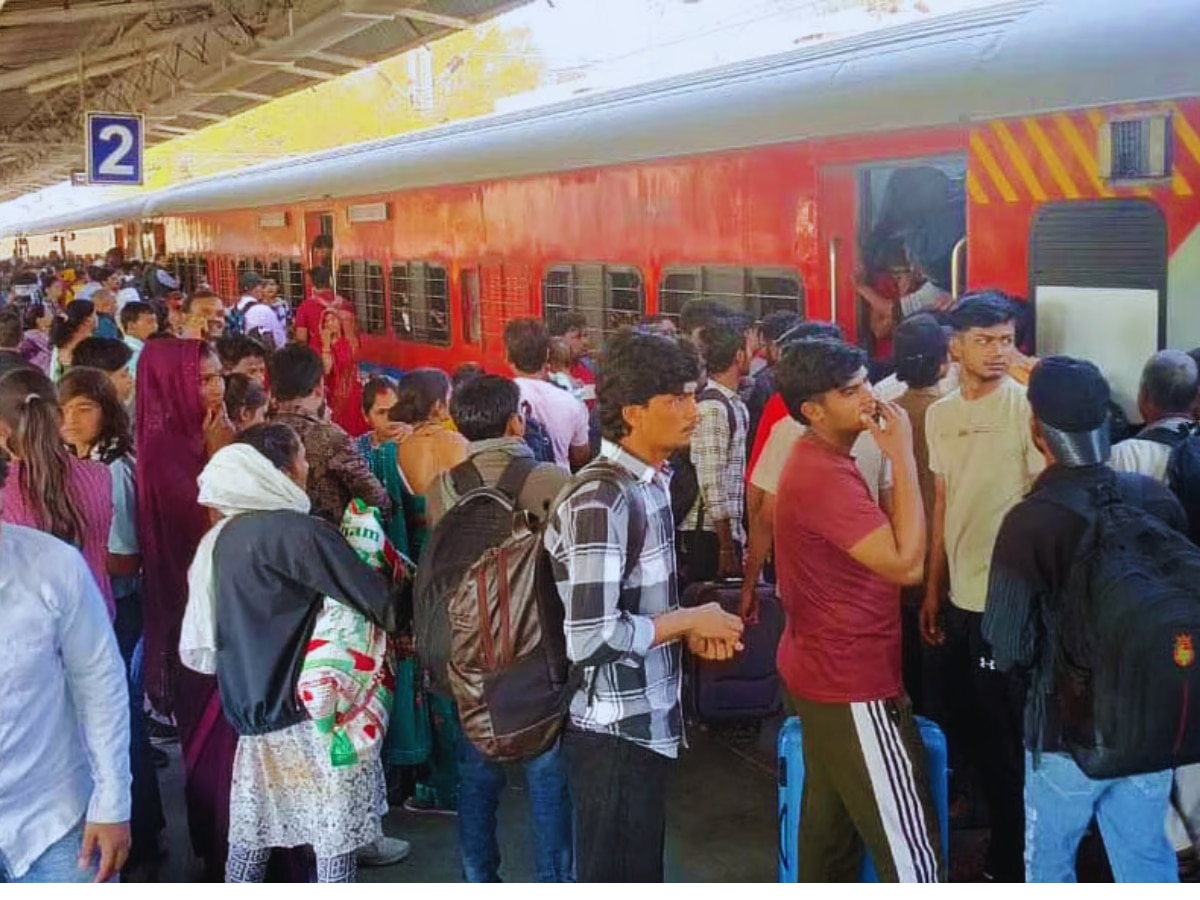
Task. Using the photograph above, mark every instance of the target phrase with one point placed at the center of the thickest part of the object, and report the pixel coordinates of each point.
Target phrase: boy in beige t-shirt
(982, 454)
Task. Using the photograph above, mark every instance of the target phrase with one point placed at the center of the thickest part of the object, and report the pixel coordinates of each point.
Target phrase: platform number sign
(114, 148)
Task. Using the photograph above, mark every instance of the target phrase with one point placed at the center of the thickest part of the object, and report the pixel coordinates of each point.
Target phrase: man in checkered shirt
(625, 630)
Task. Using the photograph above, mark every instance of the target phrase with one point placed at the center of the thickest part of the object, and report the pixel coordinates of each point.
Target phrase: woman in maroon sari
(180, 423)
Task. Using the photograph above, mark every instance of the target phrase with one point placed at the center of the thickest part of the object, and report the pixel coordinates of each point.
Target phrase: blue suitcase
(791, 789)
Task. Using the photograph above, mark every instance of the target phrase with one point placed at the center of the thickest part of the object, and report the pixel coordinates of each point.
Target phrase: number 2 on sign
(112, 164)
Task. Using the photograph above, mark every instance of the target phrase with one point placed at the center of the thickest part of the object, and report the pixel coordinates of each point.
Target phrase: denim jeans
(480, 783)
(1059, 803)
(59, 864)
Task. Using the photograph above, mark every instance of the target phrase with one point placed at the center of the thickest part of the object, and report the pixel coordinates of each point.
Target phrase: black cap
(1070, 400)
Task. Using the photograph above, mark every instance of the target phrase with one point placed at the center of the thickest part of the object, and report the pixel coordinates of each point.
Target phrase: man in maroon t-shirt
(841, 561)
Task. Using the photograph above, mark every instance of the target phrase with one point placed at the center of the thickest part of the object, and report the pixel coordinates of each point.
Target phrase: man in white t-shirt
(565, 419)
(983, 458)
(259, 318)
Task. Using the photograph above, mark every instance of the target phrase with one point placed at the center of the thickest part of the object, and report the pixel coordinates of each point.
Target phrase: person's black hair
(66, 327)
(98, 273)
(105, 354)
(779, 324)
(812, 367)
(320, 276)
(134, 310)
(243, 394)
(418, 394)
(527, 344)
(811, 330)
(568, 321)
(1169, 382)
(34, 312)
(719, 345)
(465, 373)
(233, 348)
(700, 312)
(295, 371)
(376, 385)
(982, 309)
(115, 438)
(482, 408)
(11, 330)
(637, 367)
(278, 442)
(920, 345)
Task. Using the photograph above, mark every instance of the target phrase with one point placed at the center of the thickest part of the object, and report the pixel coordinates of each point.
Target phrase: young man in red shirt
(841, 561)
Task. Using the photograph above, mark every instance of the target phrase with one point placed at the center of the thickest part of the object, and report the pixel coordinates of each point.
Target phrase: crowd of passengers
(175, 470)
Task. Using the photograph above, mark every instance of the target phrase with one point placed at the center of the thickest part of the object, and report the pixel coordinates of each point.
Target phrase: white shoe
(387, 851)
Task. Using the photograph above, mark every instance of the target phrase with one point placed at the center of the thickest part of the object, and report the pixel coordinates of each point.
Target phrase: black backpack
(1124, 641)
(537, 438)
(685, 483)
(1183, 470)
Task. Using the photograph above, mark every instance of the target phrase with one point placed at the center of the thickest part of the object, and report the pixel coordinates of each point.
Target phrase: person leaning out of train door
(840, 573)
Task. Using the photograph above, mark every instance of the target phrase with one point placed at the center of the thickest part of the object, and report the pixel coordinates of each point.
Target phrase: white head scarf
(238, 479)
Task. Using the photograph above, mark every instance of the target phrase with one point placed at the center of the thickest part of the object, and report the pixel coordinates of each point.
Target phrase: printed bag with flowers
(347, 681)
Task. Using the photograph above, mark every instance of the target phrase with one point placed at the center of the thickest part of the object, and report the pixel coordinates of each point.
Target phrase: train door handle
(833, 268)
(956, 267)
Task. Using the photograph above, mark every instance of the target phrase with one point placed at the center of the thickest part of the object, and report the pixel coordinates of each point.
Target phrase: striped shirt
(720, 460)
(630, 689)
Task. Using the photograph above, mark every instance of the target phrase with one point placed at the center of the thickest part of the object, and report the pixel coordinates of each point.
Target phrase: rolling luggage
(791, 789)
(746, 687)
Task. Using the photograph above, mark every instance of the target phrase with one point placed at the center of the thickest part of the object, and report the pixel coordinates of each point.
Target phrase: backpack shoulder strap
(513, 478)
(466, 478)
(607, 471)
(1168, 437)
(711, 393)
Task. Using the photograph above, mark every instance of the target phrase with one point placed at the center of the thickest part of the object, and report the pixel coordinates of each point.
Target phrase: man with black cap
(1031, 565)
(259, 320)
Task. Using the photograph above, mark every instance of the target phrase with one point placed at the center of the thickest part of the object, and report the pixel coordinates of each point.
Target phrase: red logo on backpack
(1185, 651)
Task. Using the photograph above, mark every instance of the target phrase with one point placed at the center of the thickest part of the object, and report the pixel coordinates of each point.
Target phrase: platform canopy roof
(183, 64)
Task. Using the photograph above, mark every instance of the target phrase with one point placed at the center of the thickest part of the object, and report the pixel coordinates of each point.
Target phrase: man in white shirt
(64, 717)
(1165, 401)
(259, 318)
(565, 419)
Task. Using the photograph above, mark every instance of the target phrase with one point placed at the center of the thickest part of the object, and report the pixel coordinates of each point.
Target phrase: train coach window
(291, 281)
(756, 291)
(609, 296)
(361, 283)
(420, 302)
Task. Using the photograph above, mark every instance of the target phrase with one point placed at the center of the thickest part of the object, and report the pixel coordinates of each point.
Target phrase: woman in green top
(378, 447)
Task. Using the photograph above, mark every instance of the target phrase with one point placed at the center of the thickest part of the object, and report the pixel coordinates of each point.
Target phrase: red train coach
(1062, 141)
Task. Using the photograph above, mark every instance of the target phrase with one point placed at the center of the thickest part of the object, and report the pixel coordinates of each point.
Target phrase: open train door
(891, 227)
(318, 238)
(1098, 283)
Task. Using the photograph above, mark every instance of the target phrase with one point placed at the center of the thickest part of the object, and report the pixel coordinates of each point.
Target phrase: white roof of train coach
(1013, 58)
